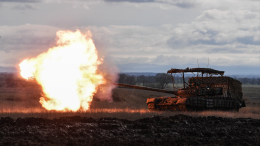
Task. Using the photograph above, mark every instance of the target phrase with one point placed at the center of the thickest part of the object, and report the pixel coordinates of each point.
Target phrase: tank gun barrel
(146, 88)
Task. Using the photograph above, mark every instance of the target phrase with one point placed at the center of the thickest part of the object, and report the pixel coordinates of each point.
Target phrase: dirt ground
(157, 130)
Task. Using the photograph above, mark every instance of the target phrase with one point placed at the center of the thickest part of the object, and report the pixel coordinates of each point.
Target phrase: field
(128, 103)
(125, 121)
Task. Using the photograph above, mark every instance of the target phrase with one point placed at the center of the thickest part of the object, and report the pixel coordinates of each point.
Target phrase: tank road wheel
(182, 108)
(151, 106)
(162, 107)
(178, 108)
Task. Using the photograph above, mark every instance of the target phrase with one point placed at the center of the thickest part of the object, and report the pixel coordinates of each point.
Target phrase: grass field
(128, 104)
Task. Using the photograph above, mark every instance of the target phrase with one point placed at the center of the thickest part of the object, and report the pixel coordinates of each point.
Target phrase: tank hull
(193, 103)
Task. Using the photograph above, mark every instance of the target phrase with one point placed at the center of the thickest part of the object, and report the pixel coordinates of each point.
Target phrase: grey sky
(22, 1)
(160, 32)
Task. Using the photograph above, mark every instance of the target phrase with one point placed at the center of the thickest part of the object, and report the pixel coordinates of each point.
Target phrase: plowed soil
(174, 130)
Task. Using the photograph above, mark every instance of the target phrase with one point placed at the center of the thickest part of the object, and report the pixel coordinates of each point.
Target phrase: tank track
(198, 104)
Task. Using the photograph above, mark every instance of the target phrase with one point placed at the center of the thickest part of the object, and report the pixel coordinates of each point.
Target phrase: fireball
(67, 73)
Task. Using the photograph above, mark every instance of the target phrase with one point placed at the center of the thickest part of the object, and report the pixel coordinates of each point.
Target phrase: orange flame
(67, 73)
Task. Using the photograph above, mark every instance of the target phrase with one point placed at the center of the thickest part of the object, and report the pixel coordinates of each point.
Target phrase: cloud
(219, 40)
(177, 3)
(218, 27)
(224, 31)
(185, 4)
(26, 35)
(248, 40)
(191, 60)
(131, 1)
(197, 4)
(22, 1)
(25, 7)
(161, 45)
(20, 42)
(154, 68)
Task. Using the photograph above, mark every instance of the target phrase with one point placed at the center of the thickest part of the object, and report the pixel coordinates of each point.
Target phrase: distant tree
(253, 81)
(141, 79)
(122, 78)
(162, 79)
(149, 81)
(130, 80)
(258, 81)
(178, 80)
(127, 79)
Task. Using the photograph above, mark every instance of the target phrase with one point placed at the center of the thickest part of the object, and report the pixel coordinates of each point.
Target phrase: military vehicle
(206, 90)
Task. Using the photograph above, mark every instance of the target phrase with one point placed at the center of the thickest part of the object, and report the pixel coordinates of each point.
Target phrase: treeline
(14, 80)
(154, 81)
(252, 81)
(150, 81)
(160, 80)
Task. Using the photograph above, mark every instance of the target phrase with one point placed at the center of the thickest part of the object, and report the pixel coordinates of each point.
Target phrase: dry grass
(15, 98)
(129, 114)
(128, 98)
(129, 104)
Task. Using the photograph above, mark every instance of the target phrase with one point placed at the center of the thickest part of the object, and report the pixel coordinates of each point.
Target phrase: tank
(208, 90)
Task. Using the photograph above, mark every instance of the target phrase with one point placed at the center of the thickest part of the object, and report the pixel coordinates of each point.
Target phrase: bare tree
(141, 79)
(122, 78)
(162, 79)
(130, 80)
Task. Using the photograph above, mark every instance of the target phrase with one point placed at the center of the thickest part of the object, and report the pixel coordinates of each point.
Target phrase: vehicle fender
(181, 101)
(150, 100)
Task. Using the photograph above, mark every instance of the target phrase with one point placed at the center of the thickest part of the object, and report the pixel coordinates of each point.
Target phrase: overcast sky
(138, 34)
